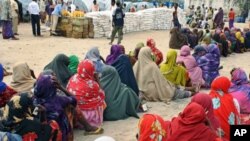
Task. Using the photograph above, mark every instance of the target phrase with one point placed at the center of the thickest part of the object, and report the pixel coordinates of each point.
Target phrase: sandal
(96, 132)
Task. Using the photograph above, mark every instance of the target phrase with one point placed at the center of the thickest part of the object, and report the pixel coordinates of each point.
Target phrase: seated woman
(94, 55)
(190, 125)
(224, 44)
(6, 92)
(194, 71)
(134, 54)
(152, 127)
(73, 64)
(125, 71)
(223, 104)
(59, 65)
(152, 84)
(50, 94)
(122, 102)
(240, 42)
(209, 63)
(177, 40)
(206, 102)
(247, 40)
(240, 90)
(23, 78)
(173, 72)
(199, 51)
(158, 57)
(90, 97)
(115, 52)
(18, 119)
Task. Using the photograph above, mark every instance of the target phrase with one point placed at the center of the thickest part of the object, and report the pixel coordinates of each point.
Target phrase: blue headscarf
(94, 55)
(2, 84)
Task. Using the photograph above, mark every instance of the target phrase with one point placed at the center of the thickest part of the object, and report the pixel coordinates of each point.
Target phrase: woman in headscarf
(59, 65)
(50, 94)
(23, 78)
(6, 92)
(18, 119)
(190, 125)
(206, 41)
(240, 90)
(206, 102)
(152, 128)
(177, 40)
(209, 63)
(90, 97)
(224, 44)
(115, 52)
(231, 39)
(152, 84)
(247, 40)
(94, 55)
(173, 72)
(122, 102)
(223, 104)
(134, 54)
(199, 51)
(194, 71)
(218, 20)
(240, 43)
(158, 57)
(73, 63)
(125, 71)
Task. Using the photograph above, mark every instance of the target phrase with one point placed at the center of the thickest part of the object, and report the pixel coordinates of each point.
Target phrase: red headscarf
(190, 125)
(157, 52)
(86, 90)
(206, 102)
(152, 128)
(223, 104)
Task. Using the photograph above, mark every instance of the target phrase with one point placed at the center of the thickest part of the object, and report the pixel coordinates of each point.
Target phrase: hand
(56, 83)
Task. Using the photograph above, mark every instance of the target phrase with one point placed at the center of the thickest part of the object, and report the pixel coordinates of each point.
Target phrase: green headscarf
(171, 71)
(73, 63)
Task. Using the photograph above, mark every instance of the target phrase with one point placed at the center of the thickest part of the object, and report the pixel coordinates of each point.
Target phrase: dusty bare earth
(39, 51)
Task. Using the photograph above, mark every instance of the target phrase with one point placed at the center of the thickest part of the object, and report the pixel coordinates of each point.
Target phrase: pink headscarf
(194, 71)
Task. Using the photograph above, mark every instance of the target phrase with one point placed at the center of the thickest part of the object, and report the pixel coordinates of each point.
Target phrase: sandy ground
(39, 51)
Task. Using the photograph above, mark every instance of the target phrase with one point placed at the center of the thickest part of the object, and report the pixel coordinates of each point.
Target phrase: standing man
(112, 9)
(34, 11)
(55, 16)
(42, 7)
(15, 16)
(175, 17)
(231, 16)
(117, 23)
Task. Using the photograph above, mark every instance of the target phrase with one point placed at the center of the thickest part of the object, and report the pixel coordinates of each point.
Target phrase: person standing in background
(34, 11)
(113, 7)
(95, 7)
(15, 16)
(42, 7)
(117, 23)
(175, 17)
(20, 11)
(6, 17)
(55, 16)
(231, 16)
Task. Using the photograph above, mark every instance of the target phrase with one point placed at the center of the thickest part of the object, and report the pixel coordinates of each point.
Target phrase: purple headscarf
(2, 84)
(115, 52)
(240, 81)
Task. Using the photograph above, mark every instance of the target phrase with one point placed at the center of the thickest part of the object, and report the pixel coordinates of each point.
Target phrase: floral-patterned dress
(90, 97)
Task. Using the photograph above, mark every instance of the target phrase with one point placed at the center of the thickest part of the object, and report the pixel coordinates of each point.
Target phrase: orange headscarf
(223, 104)
(152, 128)
(156, 52)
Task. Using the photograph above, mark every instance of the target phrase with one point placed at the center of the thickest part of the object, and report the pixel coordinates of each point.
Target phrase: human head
(231, 9)
(221, 83)
(239, 76)
(86, 69)
(185, 50)
(94, 2)
(118, 3)
(199, 50)
(113, 2)
(151, 42)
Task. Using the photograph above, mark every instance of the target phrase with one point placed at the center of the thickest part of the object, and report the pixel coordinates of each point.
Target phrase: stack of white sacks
(149, 19)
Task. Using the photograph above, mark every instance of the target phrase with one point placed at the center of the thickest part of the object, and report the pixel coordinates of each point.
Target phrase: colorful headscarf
(240, 82)
(190, 125)
(157, 53)
(206, 102)
(239, 36)
(223, 104)
(185, 50)
(2, 84)
(94, 55)
(152, 128)
(73, 63)
(115, 52)
(137, 49)
(172, 72)
(87, 91)
(199, 50)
